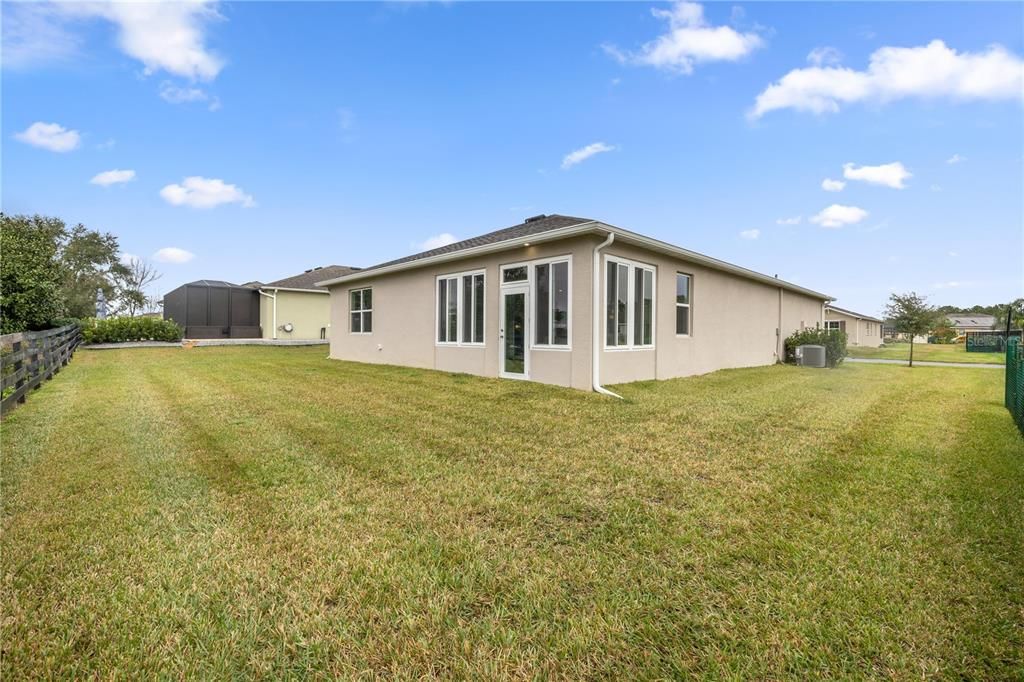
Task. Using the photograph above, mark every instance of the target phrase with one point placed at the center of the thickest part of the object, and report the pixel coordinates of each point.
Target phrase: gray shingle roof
(844, 311)
(527, 228)
(309, 278)
(977, 320)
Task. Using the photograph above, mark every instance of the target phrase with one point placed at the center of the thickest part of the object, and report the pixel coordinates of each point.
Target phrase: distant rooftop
(309, 278)
(859, 316)
(976, 320)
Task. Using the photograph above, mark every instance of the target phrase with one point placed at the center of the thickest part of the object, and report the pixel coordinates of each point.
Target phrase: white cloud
(931, 71)
(436, 241)
(200, 192)
(954, 284)
(795, 220)
(935, 188)
(164, 36)
(172, 254)
(34, 34)
(346, 118)
(838, 215)
(953, 254)
(112, 177)
(176, 94)
(955, 159)
(888, 174)
(50, 136)
(129, 259)
(824, 56)
(750, 234)
(830, 185)
(690, 40)
(109, 144)
(584, 153)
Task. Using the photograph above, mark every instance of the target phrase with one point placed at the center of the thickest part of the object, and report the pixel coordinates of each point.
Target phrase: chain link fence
(1015, 381)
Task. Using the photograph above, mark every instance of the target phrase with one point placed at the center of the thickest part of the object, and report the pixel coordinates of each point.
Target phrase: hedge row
(121, 329)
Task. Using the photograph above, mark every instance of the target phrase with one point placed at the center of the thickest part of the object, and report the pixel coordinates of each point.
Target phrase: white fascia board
(304, 291)
(576, 230)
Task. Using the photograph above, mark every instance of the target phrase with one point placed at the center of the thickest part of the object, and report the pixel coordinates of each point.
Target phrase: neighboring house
(290, 308)
(971, 322)
(861, 330)
(295, 307)
(567, 301)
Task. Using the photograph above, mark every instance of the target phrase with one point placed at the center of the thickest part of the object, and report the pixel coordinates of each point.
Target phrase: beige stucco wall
(734, 320)
(858, 332)
(308, 312)
(404, 318)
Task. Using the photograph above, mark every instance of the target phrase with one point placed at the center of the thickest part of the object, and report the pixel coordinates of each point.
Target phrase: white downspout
(779, 343)
(596, 342)
(272, 297)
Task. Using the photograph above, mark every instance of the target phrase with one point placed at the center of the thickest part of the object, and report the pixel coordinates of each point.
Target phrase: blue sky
(347, 133)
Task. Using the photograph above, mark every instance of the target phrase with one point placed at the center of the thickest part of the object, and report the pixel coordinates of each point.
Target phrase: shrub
(120, 329)
(833, 340)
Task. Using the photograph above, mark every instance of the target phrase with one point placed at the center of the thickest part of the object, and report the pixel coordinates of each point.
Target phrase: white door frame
(506, 290)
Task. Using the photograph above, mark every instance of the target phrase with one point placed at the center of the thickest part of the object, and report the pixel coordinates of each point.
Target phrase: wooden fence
(27, 359)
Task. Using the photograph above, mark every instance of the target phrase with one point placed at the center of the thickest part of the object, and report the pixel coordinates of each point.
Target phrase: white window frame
(630, 304)
(361, 310)
(531, 281)
(688, 306)
(460, 309)
(829, 328)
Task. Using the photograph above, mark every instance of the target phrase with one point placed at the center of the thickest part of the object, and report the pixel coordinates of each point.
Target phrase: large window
(629, 304)
(683, 305)
(360, 305)
(460, 309)
(551, 301)
(834, 325)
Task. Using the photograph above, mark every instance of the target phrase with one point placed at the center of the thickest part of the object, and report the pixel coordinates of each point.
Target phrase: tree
(130, 287)
(50, 272)
(31, 276)
(911, 314)
(90, 261)
(1017, 319)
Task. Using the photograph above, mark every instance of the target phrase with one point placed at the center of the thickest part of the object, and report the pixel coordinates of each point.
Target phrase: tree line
(50, 274)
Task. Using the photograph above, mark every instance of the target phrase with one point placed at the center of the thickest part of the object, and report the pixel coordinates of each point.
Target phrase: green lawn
(932, 352)
(243, 512)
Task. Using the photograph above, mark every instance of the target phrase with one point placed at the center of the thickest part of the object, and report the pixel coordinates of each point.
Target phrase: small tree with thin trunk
(911, 314)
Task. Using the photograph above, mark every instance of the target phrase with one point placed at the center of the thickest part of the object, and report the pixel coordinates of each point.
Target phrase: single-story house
(861, 330)
(971, 322)
(568, 301)
(289, 308)
(296, 307)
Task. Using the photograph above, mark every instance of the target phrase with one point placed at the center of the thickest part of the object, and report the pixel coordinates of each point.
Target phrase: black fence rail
(27, 359)
(1015, 381)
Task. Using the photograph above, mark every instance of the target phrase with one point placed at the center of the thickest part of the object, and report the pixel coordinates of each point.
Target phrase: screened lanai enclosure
(212, 309)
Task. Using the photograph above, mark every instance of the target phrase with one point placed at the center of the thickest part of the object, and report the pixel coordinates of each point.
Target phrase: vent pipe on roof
(533, 219)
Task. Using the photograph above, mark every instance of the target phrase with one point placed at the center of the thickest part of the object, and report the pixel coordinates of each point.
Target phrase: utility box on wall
(212, 309)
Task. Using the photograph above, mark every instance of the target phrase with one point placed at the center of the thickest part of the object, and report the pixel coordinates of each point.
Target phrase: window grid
(683, 298)
(460, 309)
(361, 311)
(629, 305)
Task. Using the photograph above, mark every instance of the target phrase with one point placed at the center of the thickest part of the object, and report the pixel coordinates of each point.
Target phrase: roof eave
(572, 231)
(850, 313)
(271, 287)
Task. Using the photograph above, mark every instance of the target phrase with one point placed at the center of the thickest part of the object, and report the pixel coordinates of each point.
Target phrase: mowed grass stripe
(314, 517)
